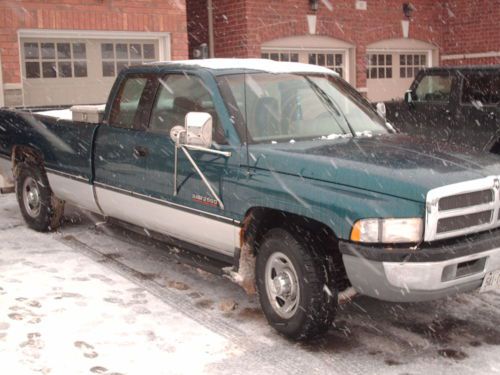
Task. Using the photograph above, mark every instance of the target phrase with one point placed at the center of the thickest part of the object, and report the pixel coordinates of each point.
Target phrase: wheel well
(495, 149)
(259, 220)
(21, 154)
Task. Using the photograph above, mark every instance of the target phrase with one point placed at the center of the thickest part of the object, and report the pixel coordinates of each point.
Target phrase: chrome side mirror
(408, 97)
(197, 130)
(381, 110)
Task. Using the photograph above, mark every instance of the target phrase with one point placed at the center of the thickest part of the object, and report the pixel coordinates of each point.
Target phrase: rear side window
(125, 109)
(481, 87)
(434, 88)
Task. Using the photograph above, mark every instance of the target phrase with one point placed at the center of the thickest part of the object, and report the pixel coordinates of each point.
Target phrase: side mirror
(381, 110)
(409, 97)
(197, 130)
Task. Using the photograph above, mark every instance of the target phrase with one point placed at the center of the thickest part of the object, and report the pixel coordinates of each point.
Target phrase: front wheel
(40, 209)
(295, 288)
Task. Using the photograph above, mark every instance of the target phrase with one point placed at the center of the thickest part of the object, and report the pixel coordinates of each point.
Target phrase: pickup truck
(456, 105)
(280, 170)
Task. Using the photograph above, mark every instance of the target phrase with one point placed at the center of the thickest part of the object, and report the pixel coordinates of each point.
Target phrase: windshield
(289, 107)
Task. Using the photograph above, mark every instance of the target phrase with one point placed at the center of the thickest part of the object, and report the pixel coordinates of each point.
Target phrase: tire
(299, 309)
(40, 209)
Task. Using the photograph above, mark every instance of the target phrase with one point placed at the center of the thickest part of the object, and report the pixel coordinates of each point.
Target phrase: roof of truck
(263, 65)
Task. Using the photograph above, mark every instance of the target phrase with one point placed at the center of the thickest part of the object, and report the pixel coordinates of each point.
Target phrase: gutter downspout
(210, 11)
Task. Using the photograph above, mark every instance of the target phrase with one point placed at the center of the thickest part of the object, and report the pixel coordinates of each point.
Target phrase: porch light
(313, 4)
(408, 10)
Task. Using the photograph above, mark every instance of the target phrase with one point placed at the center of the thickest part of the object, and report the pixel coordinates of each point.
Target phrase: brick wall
(454, 26)
(240, 27)
(115, 15)
(471, 27)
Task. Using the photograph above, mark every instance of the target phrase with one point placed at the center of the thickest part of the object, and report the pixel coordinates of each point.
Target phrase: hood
(396, 164)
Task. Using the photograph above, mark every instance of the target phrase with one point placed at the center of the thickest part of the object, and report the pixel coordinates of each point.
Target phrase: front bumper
(433, 274)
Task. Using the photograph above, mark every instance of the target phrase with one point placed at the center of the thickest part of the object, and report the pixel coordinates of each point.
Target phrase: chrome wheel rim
(282, 285)
(31, 197)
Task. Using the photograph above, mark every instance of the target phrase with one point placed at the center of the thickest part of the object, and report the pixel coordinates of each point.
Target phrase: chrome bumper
(418, 281)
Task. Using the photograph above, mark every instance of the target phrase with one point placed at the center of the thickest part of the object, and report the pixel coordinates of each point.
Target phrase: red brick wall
(242, 26)
(471, 27)
(116, 15)
(455, 26)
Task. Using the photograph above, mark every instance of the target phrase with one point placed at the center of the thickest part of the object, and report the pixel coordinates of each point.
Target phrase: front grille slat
(454, 223)
(465, 200)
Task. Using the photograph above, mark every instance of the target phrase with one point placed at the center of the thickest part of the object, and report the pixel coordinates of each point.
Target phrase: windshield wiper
(331, 105)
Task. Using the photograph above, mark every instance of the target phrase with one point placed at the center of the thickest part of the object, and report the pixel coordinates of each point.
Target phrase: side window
(179, 94)
(434, 88)
(482, 88)
(126, 104)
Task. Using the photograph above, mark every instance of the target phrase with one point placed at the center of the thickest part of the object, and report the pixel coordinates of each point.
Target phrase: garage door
(332, 53)
(391, 66)
(58, 71)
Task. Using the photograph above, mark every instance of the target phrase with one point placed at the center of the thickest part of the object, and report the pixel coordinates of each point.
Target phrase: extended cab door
(431, 110)
(120, 151)
(196, 215)
(134, 163)
(478, 112)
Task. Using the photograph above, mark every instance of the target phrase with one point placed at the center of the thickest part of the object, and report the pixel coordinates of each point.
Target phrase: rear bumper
(411, 280)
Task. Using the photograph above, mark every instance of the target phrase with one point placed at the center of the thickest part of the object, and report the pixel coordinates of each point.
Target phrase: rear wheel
(295, 287)
(40, 209)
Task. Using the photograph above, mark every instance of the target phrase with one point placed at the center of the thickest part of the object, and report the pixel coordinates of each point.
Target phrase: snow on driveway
(105, 301)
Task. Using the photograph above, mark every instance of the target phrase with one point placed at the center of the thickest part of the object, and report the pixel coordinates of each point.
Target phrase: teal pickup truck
(280, 170)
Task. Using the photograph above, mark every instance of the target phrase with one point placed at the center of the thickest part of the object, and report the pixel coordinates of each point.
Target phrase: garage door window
(334, 61)
(281, 56)
(55, 60)
(410, 64)
(116, 56)
(379, 66)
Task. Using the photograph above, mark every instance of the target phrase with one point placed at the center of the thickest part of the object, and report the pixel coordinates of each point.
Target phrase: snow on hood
(264, 65)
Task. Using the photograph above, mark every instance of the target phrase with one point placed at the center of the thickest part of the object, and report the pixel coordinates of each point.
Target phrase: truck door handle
(140, 152)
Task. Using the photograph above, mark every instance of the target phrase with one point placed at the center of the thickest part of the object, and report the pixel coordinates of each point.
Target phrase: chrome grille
(464, 221)
(463, 208)
(466, 200)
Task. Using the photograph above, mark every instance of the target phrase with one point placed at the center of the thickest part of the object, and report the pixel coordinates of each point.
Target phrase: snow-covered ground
(100, 300)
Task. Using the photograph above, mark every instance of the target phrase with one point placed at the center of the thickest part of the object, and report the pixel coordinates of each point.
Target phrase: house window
(116, 56)
(281, 56)
(379, 66)
(334, 61)
(55, 59)
(410, 64)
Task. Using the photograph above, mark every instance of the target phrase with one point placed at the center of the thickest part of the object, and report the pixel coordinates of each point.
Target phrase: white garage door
(392, 65)
(60, 71)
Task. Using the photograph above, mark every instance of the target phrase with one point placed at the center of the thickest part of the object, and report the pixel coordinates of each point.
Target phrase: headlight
(388, 230)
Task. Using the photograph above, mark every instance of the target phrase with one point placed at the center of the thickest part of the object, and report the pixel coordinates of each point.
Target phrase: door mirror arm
(196, 135)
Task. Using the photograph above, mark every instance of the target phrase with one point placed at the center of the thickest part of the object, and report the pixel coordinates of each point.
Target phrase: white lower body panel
(79, 193)
(194, 228)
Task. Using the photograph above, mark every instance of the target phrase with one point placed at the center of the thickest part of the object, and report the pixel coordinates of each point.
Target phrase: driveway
(97, 299)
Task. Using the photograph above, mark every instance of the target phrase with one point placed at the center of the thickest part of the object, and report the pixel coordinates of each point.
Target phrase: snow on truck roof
(252, 64)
